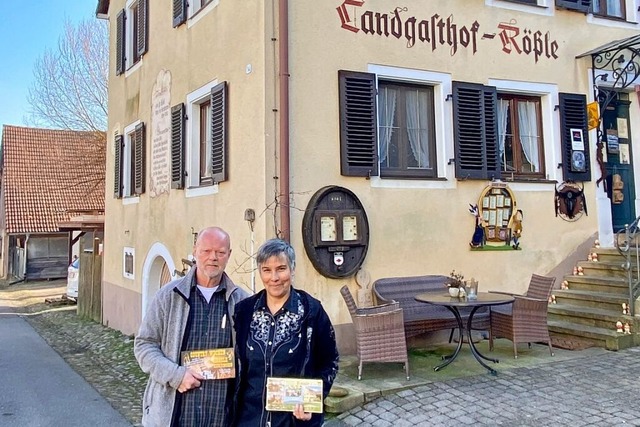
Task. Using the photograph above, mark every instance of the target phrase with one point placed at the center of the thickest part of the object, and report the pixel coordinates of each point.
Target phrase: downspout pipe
(283, 36)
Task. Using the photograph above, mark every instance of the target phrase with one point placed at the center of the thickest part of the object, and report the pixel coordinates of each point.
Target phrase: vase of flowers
(455, 283)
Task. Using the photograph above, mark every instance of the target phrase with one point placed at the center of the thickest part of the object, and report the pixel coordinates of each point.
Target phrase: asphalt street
(39, 389)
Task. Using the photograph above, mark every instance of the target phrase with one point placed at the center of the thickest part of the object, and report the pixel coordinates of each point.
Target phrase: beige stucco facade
(417, 226)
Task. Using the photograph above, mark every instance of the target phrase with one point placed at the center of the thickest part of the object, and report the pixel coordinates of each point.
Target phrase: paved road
(600, 390)
(37, 387)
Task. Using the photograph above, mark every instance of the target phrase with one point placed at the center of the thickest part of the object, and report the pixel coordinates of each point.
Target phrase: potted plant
(455, 282)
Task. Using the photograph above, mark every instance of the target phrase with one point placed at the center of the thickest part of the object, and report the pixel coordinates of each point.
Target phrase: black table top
(484, 299)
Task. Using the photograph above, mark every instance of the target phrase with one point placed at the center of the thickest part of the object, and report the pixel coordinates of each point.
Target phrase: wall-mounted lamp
(449, 97)
(194, 233)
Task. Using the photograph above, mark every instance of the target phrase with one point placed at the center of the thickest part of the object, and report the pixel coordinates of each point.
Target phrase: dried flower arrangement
(455, 280)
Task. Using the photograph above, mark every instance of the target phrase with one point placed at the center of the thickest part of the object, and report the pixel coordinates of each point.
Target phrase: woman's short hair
(276, 247)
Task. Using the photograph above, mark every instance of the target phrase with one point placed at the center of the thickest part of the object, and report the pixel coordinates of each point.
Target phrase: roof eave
(102, 10)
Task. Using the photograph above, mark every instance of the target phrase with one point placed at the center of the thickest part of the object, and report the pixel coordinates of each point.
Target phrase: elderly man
(194, 312)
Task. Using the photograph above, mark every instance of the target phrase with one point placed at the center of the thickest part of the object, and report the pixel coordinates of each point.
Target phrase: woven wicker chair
(526, 319)
(379, 332)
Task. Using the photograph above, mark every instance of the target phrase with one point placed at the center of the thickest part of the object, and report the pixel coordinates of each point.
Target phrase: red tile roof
(49, 176)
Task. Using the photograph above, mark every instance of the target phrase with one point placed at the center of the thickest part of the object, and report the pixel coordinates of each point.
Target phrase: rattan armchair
(379, 332)
(526, 319)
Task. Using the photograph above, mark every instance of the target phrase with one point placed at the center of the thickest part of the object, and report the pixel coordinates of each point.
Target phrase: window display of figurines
(497, 206)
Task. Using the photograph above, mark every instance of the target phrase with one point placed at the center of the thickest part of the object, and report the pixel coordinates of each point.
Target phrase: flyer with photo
(217, 363)
(283, 394)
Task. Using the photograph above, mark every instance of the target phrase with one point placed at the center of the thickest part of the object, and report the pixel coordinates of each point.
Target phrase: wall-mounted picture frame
(613, 142)
(577, 139)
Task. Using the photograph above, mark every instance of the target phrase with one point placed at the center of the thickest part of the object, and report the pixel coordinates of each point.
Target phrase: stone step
(608, 254)
(601, 337)
(602, 300)
(590, 316)
(603, 268)
(612, 285)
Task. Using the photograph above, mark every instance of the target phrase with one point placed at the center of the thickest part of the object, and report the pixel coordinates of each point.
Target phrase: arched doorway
(157, 271)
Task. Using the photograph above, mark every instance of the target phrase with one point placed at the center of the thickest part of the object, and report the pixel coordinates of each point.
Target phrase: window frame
(129, 162)
(404, 171)
(194, 182)
(549, 99)
(132, 29)
(358, 98)
(127, 159)
(538, 7)
(191, 12)
(514, 98)
(441, 83)
(603, 12)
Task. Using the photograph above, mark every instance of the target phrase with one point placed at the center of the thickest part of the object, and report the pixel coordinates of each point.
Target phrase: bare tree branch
(70, 87)
(70, 93)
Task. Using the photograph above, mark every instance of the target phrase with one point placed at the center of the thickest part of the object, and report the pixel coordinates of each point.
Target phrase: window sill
(439, 183)
(201, 191)
(131, 200)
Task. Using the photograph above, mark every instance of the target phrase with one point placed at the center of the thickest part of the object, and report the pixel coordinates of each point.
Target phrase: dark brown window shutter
(475, 131)
(177, 146)
(358, 124)
(179, 12)
(117, 172)
(139, 159)
(219, 147)
(143, 27)
(573, 115)
(120, 41)
(579, 5)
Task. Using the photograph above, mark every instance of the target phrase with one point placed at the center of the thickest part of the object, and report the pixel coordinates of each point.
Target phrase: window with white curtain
(609, 8)
(520, 136)
(406, 130)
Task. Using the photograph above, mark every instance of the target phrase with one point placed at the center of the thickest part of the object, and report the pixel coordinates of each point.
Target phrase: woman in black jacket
(280, 332)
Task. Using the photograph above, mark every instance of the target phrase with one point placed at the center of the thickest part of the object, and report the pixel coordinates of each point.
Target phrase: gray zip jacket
(157, 345)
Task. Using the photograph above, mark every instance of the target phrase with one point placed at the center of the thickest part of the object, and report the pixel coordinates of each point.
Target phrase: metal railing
(626, 242)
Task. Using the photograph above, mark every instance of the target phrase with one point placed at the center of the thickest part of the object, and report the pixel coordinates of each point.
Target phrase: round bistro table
(484, 299)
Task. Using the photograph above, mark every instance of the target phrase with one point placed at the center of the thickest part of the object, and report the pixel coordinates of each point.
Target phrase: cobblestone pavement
(599, 390)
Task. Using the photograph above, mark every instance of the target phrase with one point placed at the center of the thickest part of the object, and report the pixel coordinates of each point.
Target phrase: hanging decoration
(498, 222)
(570, 203)
(617, 185)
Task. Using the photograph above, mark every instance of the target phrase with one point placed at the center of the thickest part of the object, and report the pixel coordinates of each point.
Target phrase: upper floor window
(609, 8)
(199, 149)
(579, 5)
(129, 165)
(520, 136)
(204, 136)
(406, 130)
(389, 123)
(131, 34)
(183, 9)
